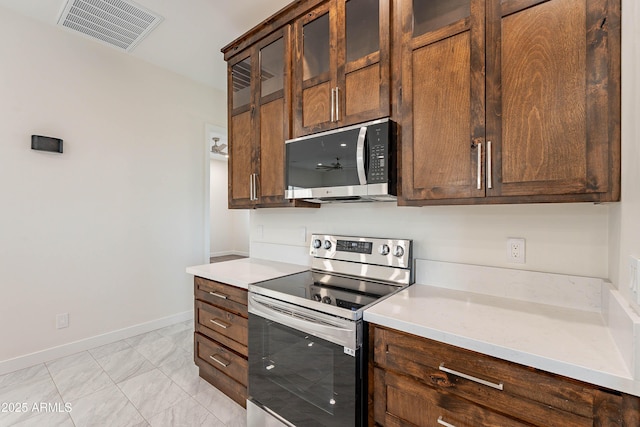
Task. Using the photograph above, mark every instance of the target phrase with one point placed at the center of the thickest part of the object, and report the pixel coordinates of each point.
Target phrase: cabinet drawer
(222, 359)
(223, 326)
(527, 394)
(400, 400)
(228, 297)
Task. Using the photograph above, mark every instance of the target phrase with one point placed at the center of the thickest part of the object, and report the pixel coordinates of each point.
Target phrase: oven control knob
(383, 249)
(317, 297)
(317, 243)
(327, 244)
(398, 251)
(326, 300)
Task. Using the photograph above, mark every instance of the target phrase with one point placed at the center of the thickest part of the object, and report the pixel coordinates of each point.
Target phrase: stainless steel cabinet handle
(220, 361)
(479, 148)
(215, 294)
(333, 104)
(255, 186)
(444, 423)
(337, 105)
(489, 171)
(220, 323)
(470, 378)
(251, 187)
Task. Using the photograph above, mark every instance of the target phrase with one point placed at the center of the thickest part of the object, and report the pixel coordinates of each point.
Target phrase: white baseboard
(68, 349)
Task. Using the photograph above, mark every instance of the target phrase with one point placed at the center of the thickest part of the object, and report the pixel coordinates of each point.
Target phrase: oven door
(305, 367)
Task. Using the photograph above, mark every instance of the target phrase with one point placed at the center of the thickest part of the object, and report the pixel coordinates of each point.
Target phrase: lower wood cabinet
(221, 336)
(414, 381)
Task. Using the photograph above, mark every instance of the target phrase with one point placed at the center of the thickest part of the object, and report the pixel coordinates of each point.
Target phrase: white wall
(560, 238)
(229, 227)
(578, 239)
(105, 230)
(625, 216)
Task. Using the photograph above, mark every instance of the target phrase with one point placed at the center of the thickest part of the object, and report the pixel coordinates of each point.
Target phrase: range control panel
(366, 250)
(354, 246)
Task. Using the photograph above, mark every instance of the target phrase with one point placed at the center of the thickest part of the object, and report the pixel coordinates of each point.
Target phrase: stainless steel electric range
(307, 364)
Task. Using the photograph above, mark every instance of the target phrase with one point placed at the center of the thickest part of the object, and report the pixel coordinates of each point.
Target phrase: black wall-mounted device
(46, 143)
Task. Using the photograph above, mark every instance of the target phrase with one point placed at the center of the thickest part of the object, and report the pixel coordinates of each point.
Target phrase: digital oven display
(357, 247)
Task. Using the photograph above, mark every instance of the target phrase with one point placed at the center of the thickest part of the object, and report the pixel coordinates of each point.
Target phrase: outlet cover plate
(516, 250)
(62, 321)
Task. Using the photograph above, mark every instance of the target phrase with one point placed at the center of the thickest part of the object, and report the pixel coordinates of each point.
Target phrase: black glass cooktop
(325, 292)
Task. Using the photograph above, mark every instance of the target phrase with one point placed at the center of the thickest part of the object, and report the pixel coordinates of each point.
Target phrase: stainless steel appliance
(307, 364)
(354, 163)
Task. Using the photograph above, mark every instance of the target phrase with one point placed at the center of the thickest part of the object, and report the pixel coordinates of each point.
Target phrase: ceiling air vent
(119, 23)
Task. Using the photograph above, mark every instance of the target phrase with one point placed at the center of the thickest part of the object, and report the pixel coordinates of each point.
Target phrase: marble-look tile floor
(146, 380)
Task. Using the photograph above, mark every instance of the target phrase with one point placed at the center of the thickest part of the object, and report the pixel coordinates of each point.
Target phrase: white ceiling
(189, 39)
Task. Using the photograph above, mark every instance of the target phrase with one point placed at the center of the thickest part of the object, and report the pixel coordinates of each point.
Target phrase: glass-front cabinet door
(259, 121)
(341, 71)
(241, 137)
(273, 118)
(442, 103)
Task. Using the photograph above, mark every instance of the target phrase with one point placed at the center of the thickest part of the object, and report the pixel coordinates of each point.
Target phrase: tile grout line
(55, 384)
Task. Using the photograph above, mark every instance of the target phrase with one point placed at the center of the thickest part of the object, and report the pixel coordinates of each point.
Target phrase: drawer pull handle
(215, 294)
(470, 378)
(444, 423)
(219, 323)
(220, 361)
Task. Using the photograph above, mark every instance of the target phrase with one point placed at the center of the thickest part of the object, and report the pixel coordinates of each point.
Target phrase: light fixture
(219, 149)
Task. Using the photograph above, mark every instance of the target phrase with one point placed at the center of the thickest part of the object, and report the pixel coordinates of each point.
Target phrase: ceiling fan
(218, 149)
(333, 166)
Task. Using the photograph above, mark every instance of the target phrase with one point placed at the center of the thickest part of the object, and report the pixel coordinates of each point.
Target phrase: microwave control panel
(378, 140)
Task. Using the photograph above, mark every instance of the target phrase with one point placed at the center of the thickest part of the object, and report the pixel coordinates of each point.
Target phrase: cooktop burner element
(348, 274)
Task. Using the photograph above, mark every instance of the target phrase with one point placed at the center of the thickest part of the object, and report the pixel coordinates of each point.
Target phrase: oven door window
(304, 379)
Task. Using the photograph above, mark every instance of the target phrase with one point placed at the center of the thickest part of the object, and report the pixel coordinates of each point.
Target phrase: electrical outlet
(62, 321)
(516, 250)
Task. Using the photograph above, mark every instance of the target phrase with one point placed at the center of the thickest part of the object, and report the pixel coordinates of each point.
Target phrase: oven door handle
(330, 328)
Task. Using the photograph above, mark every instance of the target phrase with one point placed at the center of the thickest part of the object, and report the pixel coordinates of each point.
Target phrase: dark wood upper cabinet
(499, 101)
(442, 104)
(509, 101)
(259, 122)
(341, 65)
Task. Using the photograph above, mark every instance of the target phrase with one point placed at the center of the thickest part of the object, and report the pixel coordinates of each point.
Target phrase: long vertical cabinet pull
(333, 104)
(479, 147)
(489, 171)
(337, 104)
(251, 187)
(254, 186)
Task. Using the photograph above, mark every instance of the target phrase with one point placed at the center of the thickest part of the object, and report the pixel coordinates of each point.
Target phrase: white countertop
(564, 341)
(245, 271)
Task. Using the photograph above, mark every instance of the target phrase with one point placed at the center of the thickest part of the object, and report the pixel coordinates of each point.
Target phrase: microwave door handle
(360, 156)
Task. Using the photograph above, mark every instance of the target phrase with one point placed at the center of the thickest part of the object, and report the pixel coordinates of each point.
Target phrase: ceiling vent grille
(119, 23)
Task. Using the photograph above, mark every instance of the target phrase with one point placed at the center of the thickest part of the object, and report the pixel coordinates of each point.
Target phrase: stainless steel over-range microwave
(354, 163)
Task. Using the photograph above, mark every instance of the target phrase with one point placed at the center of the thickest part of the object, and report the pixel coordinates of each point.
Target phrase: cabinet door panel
(316, 105)
(543, 75)
(442, 156)
(240, 158)
(550, 118)
(272, 139)
(442, 102)
(362, 92)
